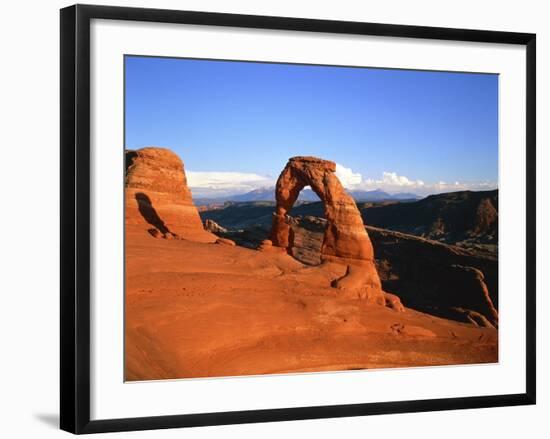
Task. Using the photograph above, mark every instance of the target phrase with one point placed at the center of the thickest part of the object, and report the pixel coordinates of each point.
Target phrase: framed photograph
(274, 218)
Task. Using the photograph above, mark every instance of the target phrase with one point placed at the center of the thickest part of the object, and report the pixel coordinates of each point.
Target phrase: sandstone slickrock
(225, 241)
(361, 282)
(394, 302)
(265, 245)
(345, 239)
(155, 233)
(195, 309)
(157, 195)
(412, 331)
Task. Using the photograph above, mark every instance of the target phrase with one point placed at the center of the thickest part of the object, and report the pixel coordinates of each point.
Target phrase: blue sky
(235, 124)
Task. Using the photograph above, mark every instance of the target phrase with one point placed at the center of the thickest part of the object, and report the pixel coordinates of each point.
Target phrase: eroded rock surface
(345, 239)
(225, 241)
(430, 276)
(345, 236)
(157, 195)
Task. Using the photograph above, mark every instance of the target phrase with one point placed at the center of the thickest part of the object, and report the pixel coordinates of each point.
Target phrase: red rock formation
(157, 195)
(345, 240)
(361, 282)
(430, 276)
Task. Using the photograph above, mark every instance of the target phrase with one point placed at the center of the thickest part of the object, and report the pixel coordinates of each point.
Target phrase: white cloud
(219, 184)
(223, 183)
(392, 182)
(392, 179)
(347, 177)
(443, 186)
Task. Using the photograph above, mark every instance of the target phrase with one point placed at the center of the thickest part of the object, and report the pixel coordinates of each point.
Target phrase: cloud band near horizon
(219, 184)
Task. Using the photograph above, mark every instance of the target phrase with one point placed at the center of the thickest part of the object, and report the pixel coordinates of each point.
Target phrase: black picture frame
(75, 217)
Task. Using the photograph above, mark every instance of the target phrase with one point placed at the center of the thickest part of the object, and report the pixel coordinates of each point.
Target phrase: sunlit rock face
(157, 196)
(345, 240)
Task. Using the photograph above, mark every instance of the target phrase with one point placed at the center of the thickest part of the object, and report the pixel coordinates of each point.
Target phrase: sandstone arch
(345, 241)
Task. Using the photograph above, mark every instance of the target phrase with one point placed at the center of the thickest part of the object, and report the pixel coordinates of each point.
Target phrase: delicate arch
(345, 239)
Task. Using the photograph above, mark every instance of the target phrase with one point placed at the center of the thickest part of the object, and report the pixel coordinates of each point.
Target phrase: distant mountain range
(268, 194)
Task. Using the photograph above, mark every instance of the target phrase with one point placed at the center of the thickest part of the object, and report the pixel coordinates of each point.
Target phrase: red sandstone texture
(426, 275)
(195, 308)
(345, 236)
(157, 195)
(345, 240)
